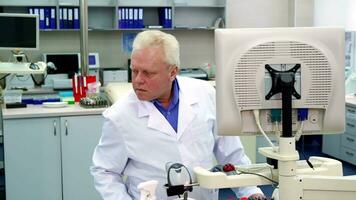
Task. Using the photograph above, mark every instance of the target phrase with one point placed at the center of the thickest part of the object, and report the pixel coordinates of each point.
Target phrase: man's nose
(138, 77)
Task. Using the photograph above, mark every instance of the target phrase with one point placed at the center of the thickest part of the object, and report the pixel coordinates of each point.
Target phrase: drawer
(350, 127)
(350, 114)
(348, 141)
(348, 155)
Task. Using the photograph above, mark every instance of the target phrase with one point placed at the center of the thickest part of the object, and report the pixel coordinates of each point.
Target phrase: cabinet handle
(350, 139)
(351, 125)
(351, 111)
(349, 153)
(54, 128)
(66, 127)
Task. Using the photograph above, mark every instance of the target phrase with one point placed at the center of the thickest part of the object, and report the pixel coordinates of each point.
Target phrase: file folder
(119, 22)
(53, 18)
(140, 18)
(61, 23)
(65, 18)
(70, 18)
(76, 22)
(30, 10)
(135, 18)
(170, 18)
(42, 18)
(131, 18)
(47, 15)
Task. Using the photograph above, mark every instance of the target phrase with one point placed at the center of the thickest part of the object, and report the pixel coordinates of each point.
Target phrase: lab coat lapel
(155, 119)
(187, 111)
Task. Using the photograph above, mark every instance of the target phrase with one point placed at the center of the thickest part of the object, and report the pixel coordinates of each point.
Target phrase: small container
(93, 89)
(12, 96)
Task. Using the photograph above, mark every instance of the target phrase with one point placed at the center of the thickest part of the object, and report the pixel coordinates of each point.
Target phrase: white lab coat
(137, 142)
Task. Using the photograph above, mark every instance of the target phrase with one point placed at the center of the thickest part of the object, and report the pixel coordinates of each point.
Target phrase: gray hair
(156, 38)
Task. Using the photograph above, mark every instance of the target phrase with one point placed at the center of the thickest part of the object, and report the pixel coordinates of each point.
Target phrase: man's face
(151, 76)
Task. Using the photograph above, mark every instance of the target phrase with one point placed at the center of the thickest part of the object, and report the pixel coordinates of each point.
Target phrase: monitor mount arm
(283, 81)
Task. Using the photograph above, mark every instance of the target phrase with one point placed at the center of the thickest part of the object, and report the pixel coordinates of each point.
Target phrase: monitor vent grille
(244, 85)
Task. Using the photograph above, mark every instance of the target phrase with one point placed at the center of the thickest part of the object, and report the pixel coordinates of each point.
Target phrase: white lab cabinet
(49, 158)
(343, 146)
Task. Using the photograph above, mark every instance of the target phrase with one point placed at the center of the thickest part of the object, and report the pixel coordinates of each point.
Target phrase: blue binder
(70, 18)
(119, 20)
(127, 18)
(135, 18)
(61, 23)
(140, 18)
(65, 18)
(53, 19)
(131, 18)
(42, 18)
(76, 22)
(169, 18)
(30, 10)
(47, 14)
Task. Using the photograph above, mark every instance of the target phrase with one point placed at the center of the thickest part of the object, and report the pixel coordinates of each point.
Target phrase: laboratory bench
(48, 151)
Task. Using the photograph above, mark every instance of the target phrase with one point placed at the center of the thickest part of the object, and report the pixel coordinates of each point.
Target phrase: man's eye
(148, 73)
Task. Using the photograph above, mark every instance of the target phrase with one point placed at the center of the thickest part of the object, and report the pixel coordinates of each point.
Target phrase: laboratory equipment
(112, 75)
(65, 63)
(148, 190)
(19, 31)
(306, 65)
(94, 65)
(194, 73)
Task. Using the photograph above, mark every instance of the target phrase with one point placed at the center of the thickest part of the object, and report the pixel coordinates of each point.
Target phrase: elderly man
(164, 119)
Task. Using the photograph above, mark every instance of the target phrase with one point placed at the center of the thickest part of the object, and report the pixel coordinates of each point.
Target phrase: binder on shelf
(126, 20)
(119, 20)
(53, 19)
(30, 10)
(131, 18)
(65, 18)
(36, 12)
(61, 23)
(70, 18)
(42, 18)
(165, 24)
(47, 15)
(140, 18)
(163, 17)
(76, 22)
(170, 18)
(135, 18)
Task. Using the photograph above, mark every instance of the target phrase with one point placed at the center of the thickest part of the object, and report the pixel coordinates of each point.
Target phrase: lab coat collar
(156, 120)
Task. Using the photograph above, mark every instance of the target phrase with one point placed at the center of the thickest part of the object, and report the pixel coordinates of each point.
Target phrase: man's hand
(257, 196)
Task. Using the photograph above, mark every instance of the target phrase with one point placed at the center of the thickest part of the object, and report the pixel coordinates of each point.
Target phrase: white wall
(304, 13)
(257, 13)
(330, 12)
(269, 13)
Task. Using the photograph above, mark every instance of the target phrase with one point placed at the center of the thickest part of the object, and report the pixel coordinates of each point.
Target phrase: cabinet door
(80, 135)
(32, 159)
(331, 145)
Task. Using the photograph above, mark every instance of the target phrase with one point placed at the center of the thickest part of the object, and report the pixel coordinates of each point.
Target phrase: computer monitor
(19, 31)
(65, 63)
(243, 80)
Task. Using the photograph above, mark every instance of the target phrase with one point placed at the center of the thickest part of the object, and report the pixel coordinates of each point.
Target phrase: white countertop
(350, 100)
(39, 111)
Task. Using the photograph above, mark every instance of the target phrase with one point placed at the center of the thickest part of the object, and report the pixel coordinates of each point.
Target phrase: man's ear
(174, 72)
